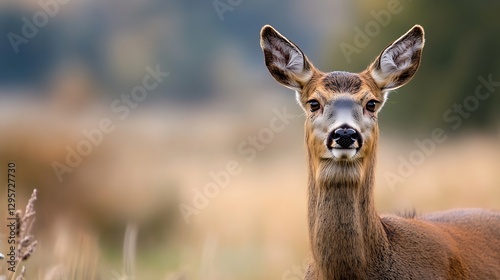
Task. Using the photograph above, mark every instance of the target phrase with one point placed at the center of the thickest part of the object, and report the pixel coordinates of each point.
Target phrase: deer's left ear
(398, 62)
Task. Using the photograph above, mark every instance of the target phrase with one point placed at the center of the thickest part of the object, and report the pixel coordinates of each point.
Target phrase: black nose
(345, 137)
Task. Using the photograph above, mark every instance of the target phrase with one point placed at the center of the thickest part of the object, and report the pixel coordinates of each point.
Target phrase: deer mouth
(343, 153)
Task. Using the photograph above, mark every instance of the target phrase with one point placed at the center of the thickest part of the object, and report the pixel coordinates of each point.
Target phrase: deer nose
(345, 137)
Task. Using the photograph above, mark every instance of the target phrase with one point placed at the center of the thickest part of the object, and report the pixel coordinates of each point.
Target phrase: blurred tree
(462, 44)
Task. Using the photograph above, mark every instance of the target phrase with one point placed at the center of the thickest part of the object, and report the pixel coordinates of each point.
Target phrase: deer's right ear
(284, 60)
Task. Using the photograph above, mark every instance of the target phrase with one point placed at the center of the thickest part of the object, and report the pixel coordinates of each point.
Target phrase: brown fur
(348, 239)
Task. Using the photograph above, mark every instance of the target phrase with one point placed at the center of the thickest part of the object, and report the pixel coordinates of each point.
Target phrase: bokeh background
(116, 214)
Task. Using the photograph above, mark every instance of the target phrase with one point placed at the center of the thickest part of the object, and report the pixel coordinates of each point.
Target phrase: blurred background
(171, 92)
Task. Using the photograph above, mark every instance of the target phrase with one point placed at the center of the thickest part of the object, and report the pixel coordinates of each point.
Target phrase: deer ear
(284, 60)
(398, 62)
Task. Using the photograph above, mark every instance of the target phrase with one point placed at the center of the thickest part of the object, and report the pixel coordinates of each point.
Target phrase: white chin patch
(343, 153)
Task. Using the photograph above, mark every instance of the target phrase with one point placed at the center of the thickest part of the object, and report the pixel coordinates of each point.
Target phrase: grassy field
(117, 214)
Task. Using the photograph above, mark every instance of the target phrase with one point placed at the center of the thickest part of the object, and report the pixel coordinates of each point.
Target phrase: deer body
(348, 239)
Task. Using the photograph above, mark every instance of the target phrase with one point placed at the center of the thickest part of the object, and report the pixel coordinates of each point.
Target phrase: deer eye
(371, 105)
(313, 105)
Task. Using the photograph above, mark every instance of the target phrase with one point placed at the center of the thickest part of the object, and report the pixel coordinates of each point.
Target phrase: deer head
(341, 108)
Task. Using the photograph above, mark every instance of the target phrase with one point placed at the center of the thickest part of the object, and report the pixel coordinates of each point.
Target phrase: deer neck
(346, 235)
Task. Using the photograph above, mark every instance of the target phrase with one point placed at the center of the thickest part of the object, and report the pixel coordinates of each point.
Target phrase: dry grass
(24, 239)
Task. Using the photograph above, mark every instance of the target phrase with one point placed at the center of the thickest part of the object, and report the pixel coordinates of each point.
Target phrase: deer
(348, 239)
